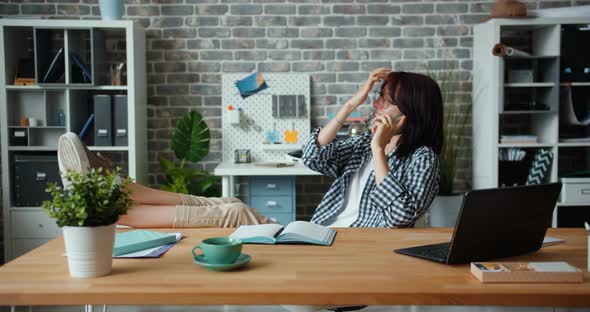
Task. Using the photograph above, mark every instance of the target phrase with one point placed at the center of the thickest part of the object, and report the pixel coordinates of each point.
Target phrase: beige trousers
(198, 211)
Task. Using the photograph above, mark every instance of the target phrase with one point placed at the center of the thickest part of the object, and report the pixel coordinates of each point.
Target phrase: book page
(307, 229)
(261, 230)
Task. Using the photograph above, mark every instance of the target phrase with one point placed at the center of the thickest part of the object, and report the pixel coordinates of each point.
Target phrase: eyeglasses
(384, 100)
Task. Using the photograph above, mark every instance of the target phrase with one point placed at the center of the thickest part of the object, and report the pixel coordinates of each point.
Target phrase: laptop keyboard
(436, 251)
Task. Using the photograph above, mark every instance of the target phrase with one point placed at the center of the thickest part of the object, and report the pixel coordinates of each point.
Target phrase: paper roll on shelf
(503, 50)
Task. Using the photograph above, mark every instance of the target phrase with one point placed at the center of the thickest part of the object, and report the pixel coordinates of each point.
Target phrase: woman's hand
(385, 128)
(363, 92)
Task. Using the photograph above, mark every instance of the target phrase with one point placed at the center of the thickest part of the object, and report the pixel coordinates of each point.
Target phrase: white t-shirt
(352, 198)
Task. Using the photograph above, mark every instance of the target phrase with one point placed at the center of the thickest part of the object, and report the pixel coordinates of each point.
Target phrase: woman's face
(385, 105)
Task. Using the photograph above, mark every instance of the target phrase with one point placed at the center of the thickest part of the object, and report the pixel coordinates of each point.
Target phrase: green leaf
(190, 138)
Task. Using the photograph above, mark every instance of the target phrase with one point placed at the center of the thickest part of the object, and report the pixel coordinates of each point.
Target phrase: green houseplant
(190, 143)
(457, 113)
(87, 211)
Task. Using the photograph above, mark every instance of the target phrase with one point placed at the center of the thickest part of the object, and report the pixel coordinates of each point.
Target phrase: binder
(103, 116)
(120, 119)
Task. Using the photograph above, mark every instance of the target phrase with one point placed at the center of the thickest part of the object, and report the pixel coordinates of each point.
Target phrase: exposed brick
(237, 20)
(216, 55)
(316, 32)
(338, 20)
(179, 33)
(387, 32)
(9, 9)
(308, 66)
(238, 67)
(177, 10)
(418, 32)
(372, 20)
(280, 9)
(270, 20)
(417, 8)
(272, 43)
(319, 55)
(248, 32)
(452, 8)
(165, 22)
(203, 44)
(214, 32)
(313, 10)
(386, 54)
(386, 9)
(73, 10)
(211, 9)
(282, 32)
(307, 44)
(202, 21)
(351, 32)
(284, 55)
(274, 67)
(342, 66)
(250, 55)
(144, 10)
(246, 9)
(348, 9)
(408, 43)
(238, 44)
(352, 55)
(304, 21)
(38, 9)
(181, 55)
(340, 44)
(374, 43)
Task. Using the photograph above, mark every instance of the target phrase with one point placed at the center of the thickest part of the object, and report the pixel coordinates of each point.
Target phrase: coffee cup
(220, 250)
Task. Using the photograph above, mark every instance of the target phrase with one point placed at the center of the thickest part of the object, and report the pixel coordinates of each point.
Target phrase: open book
(297, 232)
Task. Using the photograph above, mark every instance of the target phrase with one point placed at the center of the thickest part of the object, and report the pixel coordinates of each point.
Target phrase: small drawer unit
(273, 196)
(575, 191)
(33, 224)
(32, 172)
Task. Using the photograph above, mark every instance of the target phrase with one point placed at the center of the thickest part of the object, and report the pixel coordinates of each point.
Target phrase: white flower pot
(111, 9)
(89, 250)
(444, 210)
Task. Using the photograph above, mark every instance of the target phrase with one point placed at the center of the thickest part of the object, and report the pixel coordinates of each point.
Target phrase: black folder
(103, 116)
(120, 119)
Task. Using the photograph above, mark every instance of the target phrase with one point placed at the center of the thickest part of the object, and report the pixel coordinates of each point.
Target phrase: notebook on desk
(297, 232)
(495, 223)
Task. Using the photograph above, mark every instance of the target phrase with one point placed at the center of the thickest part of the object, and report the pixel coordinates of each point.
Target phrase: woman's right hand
(363, 92)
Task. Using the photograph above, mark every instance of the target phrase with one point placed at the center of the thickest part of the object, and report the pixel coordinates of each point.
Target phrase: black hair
(419, 98)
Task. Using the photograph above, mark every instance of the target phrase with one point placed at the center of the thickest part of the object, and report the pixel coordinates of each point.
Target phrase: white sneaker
(71, 156)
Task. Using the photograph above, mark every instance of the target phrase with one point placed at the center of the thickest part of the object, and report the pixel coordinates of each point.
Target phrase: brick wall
(192, 42)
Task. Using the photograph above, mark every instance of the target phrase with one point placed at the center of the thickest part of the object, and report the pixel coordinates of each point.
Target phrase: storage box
(575, 191)
(526, 272)
(18, 137)
(32, 172)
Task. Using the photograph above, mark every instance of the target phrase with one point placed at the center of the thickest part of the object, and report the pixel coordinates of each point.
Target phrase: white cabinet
(521, 104)
(67, 62)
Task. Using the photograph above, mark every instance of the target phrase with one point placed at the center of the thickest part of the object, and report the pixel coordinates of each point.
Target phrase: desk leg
(227, 186)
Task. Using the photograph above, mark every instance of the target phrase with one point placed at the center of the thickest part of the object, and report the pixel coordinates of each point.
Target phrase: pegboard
(256, 117)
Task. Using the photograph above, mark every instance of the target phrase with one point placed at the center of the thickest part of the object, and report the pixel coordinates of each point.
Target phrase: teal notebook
(297, 232)
(136, 240)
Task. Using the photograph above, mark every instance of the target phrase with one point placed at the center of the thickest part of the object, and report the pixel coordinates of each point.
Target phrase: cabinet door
(272, 204)
(273, 186)
(33, 224)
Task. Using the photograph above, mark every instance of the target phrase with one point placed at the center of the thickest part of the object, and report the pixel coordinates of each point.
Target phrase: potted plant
(190, 143)
(87, 211)
(444, 210)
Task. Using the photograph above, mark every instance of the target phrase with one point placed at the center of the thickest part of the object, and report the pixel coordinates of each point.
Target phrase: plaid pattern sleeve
(402, 199)
(330, 159)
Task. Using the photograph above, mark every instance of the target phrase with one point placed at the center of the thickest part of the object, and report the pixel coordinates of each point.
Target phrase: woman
(387, 177)
(155, 208)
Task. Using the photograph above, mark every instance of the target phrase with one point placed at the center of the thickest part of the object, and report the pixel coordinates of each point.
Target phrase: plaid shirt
(402, 197)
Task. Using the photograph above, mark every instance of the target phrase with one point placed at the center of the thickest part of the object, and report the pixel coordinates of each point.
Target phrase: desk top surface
(359, 268)
(255, 169)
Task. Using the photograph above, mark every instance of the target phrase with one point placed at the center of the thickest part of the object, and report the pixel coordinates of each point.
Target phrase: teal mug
(220, 250)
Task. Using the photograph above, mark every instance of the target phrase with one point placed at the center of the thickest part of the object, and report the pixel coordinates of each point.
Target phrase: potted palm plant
(444, 210)
(190, 143)
(87, 211)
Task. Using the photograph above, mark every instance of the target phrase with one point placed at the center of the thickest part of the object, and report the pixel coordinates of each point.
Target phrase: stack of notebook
(143, 243)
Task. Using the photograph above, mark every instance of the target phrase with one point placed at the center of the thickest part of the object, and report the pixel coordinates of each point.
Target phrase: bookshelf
(70, 62)
(527, 95)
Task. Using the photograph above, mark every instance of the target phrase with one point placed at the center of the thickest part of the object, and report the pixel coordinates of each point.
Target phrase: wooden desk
(360, 268)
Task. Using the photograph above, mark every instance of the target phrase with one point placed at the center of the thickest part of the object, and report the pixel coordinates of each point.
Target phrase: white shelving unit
(500, 105)
(99, 44)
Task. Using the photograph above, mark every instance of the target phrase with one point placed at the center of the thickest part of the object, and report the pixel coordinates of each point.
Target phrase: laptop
(495, 223)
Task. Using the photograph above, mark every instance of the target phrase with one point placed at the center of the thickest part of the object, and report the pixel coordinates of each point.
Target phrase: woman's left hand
(384, 129)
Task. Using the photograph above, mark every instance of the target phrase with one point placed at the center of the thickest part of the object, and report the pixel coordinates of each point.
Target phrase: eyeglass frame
(378, 94)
